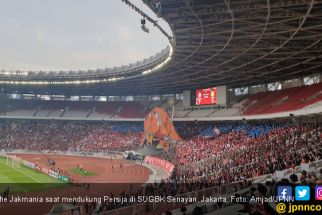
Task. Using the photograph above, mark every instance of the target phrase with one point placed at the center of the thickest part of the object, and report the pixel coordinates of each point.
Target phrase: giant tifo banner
(206, 96)
(166, 165)
(157, 124)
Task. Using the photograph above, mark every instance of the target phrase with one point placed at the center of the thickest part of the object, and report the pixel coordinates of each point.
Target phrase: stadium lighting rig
(148, 18)
(143, 27)
(18, 73)
(74, 82)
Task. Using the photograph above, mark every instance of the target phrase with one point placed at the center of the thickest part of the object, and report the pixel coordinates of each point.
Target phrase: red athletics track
(107, 181)
(129, 173)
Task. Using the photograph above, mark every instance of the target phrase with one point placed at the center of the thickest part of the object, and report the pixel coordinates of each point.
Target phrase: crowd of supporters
(164, 189)
(223, 153)
(232, 152)
(207, 144)
(62, 136)
(239, 154)
(208, 155)
(270, 188)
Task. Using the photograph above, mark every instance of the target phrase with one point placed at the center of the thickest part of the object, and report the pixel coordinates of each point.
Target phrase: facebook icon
(284, 193)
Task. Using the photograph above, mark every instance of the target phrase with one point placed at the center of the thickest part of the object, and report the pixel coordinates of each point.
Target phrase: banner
(53, 174)
(38, 168)
(56, 175)
(63, 178)
(28, 164)
(166, 165)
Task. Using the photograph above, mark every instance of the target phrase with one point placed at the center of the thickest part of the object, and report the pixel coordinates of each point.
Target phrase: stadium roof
(216, 42)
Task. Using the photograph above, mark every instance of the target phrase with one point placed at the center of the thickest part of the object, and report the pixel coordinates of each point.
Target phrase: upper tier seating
(77, 109)
(131, 110)
(289, 99)
(283, 100)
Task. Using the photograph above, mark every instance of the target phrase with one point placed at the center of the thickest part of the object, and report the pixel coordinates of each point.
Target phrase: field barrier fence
(106, 154)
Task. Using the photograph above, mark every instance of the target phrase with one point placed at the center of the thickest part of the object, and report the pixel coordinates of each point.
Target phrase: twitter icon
(302, 193)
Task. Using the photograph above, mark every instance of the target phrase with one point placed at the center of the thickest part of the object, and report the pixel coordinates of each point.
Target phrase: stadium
(223, 117)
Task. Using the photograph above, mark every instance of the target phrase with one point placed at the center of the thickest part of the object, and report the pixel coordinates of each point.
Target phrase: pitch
(24, 179)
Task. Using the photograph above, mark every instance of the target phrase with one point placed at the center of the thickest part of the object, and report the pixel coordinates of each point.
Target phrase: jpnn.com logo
(282, 208)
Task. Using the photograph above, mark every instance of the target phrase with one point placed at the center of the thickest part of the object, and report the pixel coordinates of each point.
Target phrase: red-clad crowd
(105, 139)
(235, 156)
(63, 136)
(200, 148)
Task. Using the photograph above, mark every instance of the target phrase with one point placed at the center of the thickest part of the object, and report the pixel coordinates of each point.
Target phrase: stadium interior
(232, 107)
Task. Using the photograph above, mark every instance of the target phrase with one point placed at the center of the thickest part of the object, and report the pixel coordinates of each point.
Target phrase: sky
(55, 35)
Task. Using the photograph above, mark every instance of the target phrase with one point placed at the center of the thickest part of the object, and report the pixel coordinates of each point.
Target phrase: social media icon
(302, 193)
(284, 193)
(318, 193)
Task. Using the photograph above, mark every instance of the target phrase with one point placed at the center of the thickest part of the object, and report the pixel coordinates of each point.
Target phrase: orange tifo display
(159, 125)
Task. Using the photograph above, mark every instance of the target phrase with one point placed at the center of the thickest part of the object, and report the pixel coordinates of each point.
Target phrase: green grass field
(82, 172)
(24, 179)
